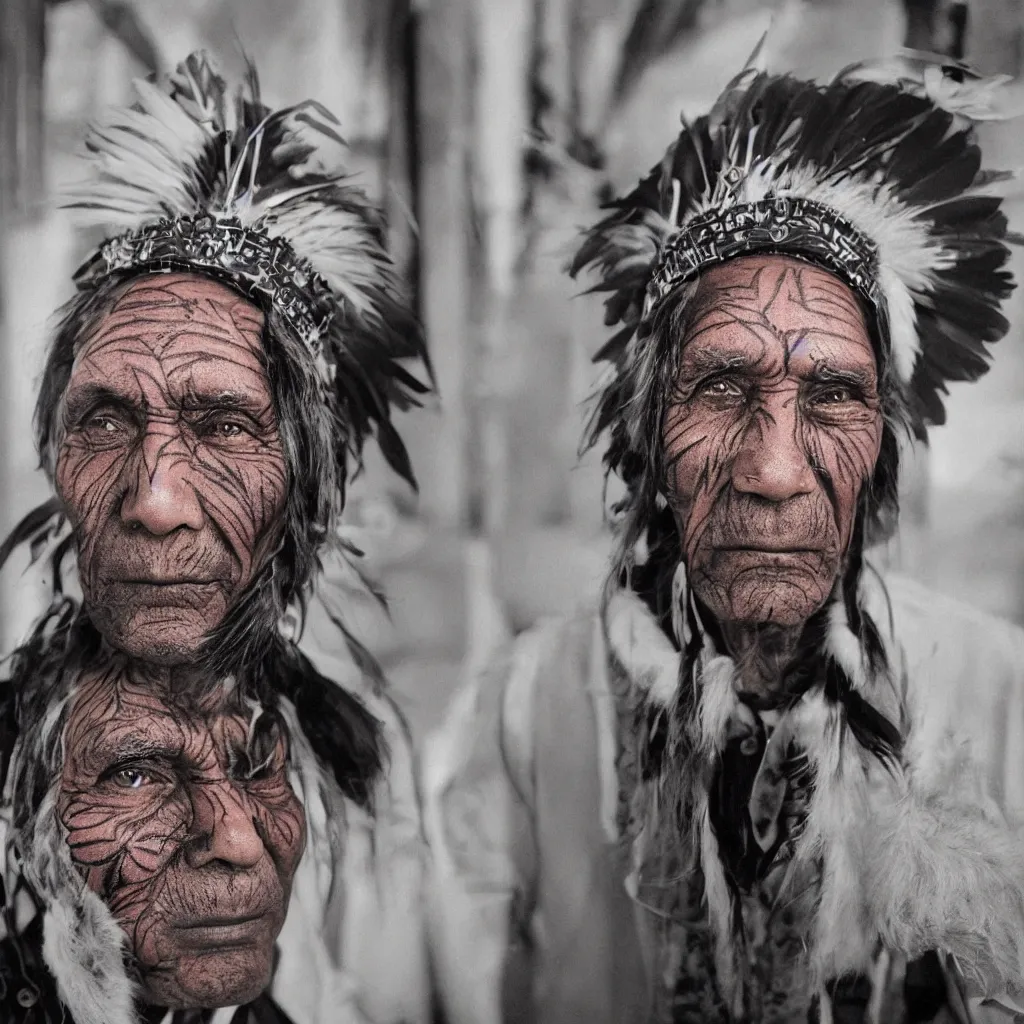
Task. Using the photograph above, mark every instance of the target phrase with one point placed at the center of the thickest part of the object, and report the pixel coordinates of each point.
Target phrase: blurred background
(490, 130)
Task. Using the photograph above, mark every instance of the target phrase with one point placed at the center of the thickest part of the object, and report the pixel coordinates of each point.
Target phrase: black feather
(36, 528)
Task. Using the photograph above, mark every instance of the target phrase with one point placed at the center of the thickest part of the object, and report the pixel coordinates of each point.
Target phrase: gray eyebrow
(708, 362)
(825, 374)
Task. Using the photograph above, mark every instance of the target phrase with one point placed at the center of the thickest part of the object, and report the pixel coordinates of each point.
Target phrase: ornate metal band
(785, 225)
(264, 269)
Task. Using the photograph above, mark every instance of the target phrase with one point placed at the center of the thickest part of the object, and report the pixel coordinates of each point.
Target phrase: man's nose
(772, 462)
(224, 828)
(160, 496)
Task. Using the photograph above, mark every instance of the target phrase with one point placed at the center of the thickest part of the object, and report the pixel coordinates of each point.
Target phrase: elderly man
(762, 784)
(198, 814)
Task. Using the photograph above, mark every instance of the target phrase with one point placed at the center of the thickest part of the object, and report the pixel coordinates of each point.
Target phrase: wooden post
(503, 36)
(22, 192)
(922, 25)
(995, 36)
(401, 155)
(443, 112)
(22, 44)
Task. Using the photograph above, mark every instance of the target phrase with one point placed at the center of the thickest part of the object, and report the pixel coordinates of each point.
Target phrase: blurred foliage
(658, 27)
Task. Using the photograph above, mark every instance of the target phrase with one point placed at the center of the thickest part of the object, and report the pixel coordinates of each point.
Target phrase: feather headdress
(221, 185)
(200, 179)
(879, 182)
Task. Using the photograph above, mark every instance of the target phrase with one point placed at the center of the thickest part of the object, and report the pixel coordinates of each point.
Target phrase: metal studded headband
(786, 225)
(261, 267)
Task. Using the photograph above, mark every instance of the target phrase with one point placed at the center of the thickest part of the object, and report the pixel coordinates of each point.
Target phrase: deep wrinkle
(178, 812)
(170, 465)
(772, 429)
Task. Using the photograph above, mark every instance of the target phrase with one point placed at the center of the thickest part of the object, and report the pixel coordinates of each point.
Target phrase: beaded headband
(261, 267)
(788, 226)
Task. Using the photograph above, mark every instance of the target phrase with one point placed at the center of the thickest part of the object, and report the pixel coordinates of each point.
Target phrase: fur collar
(902, 862)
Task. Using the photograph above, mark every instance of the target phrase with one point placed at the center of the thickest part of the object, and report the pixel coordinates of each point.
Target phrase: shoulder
(944, 640)
(492, 719)
(928, 622)
(484, 769)
(963, 672)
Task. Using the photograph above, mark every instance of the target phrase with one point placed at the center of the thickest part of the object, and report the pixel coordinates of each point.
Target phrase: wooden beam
(503, 38)
(22, 46)
(401, 156)
(442, 191)
(22, 206)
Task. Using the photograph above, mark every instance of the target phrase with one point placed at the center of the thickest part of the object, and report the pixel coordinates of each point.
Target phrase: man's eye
(130, 778)
(104, 424)
(834, 396)
(720, 389)
(225, 429)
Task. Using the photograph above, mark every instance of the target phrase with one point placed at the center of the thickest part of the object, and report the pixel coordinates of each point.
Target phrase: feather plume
(194, 150)
(881, 148)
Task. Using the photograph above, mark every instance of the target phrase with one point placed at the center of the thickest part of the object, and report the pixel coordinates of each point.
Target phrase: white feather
(841, 643)
(642, 648)
(718, 702)
(719, 901)
(82, 946)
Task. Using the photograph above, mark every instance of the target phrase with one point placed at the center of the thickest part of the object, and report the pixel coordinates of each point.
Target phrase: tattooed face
(179, 815)
(171, 466)
(773, 428)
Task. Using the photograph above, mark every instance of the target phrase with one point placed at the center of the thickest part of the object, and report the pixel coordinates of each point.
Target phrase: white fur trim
(643, 650)
(718, 702)
(951, 881)
(83, 947)
(842, 940)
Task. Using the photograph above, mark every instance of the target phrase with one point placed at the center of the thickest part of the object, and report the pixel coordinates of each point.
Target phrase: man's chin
(229, 977)
(768, 597)
(149, 636)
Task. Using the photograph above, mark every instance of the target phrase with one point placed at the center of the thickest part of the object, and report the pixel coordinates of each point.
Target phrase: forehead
(175, 327)
(113, 715)
(769, 305)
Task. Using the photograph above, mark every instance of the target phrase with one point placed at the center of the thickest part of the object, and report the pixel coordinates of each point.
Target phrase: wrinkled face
(186, 826)
(773, 428)
(171, 466)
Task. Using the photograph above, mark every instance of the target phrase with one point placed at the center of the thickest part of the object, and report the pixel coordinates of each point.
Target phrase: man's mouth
(769, 547)
(178, 581)
(164, 591)
(224, 931)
